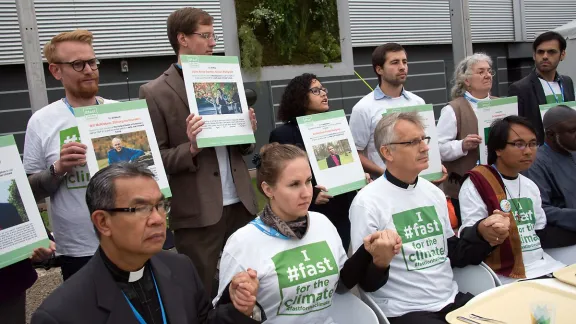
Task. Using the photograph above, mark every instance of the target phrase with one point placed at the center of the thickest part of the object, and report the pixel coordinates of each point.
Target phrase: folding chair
(347, 308)
(475, 279)
(566, 255)
(368, 300)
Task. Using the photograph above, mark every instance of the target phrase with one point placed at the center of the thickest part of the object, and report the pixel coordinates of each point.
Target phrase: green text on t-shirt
(523, 211)
(422, 233)
(307, 276)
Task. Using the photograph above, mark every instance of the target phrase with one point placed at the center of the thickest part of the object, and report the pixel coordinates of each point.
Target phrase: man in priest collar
(554, 170)
(421, 286)
(544, 85)
(130, 279)
(458, 126)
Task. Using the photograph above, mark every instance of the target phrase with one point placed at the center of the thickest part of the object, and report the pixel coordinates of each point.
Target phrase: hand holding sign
(471, 142)
(495, 228)
(72, 154)
(243, 290)
(383, 246)
(193, 128)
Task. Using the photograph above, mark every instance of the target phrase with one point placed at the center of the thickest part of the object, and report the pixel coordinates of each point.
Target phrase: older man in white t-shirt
(54, 159)
(421, 287)
(391, 66)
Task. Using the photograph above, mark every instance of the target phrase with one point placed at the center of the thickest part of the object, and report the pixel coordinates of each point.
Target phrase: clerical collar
(399, 183)
(120, 275)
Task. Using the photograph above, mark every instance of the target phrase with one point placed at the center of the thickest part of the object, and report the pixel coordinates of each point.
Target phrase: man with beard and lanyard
(130, 279)
(554, 170)
(544, 85)
(54, 159)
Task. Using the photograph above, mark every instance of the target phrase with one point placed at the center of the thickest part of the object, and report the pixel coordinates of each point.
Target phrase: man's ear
(101, 221)
(56, 71)
(562, 55)
(182, 41)
(385, 151)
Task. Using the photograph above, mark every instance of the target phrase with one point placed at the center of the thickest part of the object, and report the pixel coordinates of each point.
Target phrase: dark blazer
(92, 296)
(194, 181)
(531, 95)
(330, 161)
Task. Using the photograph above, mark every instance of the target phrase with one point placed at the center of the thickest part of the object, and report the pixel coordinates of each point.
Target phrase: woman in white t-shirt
(297, 254)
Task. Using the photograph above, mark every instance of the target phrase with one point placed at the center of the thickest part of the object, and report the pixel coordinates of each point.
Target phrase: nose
(156, 218)
(425, 147)
(306, 192)
(212, 42)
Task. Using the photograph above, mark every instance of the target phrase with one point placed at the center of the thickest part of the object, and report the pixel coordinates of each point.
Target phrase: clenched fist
(495, 228)
(383, 246)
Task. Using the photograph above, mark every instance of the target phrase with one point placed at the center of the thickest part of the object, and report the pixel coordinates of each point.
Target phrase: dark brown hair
(379, 55)
(186, 21)
(273, 159)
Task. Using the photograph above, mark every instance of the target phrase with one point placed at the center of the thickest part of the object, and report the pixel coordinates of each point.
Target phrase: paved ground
(46, 283)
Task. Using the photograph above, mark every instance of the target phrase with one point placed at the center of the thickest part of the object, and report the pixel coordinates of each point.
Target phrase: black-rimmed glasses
(144, 211)
(79, 65)
(414, 142)
(316, 91)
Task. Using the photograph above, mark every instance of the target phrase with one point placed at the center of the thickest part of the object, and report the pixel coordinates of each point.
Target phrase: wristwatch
(53, 171)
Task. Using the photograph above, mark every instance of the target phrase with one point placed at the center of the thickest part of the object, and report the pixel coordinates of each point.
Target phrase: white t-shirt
(421, 277)
(551, 89)
(297, 277)
(69, 216)
(450, 148)
(530, 218)
(229, 194)
(367, 113)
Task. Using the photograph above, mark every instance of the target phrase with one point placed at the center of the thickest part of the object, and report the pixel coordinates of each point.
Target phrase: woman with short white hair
(458, 134)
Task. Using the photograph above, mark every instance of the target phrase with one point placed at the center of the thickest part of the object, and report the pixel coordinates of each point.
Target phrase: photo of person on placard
(333, 154)
(333, 160)
(128, 147)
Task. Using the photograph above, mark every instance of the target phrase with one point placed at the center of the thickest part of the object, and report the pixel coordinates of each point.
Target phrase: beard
(85, 91)
(550, 67)
(394, 81)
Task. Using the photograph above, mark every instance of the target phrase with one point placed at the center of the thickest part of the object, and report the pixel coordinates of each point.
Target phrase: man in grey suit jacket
(213, 195)
(130, 279)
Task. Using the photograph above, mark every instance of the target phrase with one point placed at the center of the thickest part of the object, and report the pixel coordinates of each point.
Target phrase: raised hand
(193, 128)
(243, 291)
(471, 142)
(253, 120)
(71, 155)
(383, 246)
(495, 228)
(323, 197)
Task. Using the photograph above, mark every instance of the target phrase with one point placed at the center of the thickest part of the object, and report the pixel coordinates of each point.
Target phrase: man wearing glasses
(212, 190)
(421, 286)
(499, 189)
(130, 279)
(54, 159)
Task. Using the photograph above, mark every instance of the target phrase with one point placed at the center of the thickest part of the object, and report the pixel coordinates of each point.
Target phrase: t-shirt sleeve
(229, 265)
(360, 127)
(363, 221)
(538, 210)
(472, 207)
(34, 158)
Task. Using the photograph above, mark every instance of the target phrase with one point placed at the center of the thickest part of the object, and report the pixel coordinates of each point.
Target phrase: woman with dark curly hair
(304, 95)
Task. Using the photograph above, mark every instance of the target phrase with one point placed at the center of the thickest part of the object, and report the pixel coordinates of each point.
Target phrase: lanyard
(138, 316)
(505, 188)
(178, 65)
(554, 94)
(65, 100)
(472, 100)
(267, 229)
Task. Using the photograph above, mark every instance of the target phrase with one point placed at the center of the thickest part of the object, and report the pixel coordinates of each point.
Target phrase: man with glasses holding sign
(544, 85)
(499, 189)
(130, 279)
(54, 159)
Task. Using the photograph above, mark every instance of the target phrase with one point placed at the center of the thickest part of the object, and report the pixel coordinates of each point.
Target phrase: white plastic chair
(347, 308)
(368, 300)
(475, 279)
(566, 255)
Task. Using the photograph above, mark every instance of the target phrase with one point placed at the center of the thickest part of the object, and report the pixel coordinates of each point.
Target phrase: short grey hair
(101, 191)
(384, 133)
(464, 70)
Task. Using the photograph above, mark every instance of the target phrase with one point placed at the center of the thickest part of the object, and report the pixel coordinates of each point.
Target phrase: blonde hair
(78, 35)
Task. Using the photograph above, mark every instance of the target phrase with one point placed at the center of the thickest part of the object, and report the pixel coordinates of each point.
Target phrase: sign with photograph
(215, 91)
(488, 111)
(121, 132)
(21, 226)
(331, 152)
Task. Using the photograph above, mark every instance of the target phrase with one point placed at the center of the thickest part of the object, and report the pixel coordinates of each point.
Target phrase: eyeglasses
(522, 145)
(215, 37)
(415, 142)
(483, 73)
(79, 65)
(163, 208)
(316, 91)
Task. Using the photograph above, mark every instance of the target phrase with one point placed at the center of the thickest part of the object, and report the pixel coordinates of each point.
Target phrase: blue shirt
(379, 95)
(125, 155)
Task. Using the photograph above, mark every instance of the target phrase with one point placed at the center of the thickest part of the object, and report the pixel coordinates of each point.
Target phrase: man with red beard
(54, 159)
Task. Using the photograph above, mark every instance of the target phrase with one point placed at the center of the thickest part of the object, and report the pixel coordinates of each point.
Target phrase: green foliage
(15, 199)
(287, 32)
(46, 219)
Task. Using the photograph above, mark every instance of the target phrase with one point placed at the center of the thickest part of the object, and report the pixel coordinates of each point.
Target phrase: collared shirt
(139, 288)
(367, 113)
